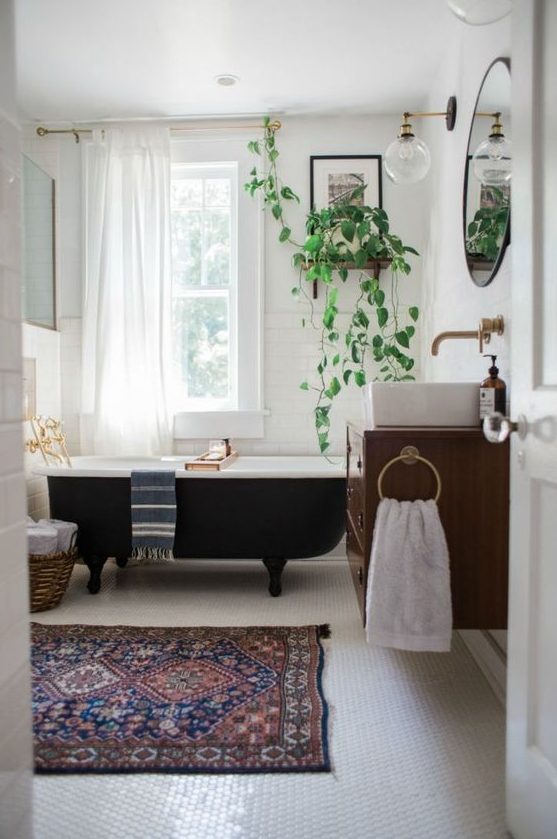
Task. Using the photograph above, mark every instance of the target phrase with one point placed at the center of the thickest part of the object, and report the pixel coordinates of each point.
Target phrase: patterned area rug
(159, 699)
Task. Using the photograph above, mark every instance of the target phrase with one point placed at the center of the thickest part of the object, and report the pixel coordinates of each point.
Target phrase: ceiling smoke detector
(227, 79)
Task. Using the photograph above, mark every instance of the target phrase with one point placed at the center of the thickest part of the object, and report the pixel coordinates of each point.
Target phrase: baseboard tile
(489, 657)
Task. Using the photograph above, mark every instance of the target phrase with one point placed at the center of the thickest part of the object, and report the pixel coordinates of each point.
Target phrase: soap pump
(493, 392)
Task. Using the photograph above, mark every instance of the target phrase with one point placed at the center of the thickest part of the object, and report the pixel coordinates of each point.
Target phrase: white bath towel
(41, 538)
(408, 602)
(66, 530)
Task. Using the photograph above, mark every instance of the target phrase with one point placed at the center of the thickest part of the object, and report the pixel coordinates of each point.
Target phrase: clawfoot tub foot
(274, 567)
(95, 565)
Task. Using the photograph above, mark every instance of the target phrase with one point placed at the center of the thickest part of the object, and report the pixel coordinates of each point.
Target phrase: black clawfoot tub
(267, 508)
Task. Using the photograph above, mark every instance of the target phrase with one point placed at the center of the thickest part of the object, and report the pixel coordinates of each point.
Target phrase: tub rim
(246, 466)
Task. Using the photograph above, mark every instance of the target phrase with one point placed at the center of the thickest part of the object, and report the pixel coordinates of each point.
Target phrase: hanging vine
(340, 238)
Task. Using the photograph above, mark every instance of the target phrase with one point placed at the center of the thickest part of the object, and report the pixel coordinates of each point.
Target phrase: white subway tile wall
(15, 717)
(70, 380)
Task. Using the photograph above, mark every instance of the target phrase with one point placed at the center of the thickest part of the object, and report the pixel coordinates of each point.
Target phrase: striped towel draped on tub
(153, 497)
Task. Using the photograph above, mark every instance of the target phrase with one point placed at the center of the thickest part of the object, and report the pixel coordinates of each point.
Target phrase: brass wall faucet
(487, 328)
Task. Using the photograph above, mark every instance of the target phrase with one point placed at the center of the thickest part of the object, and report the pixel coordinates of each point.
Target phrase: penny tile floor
(417, 739)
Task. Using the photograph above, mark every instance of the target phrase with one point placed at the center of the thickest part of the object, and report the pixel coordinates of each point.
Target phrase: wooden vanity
(473, 505)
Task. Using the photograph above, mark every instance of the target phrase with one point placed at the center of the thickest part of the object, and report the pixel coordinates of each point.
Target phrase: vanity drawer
(357, 564)
(355, 519)
(355, 507)
(355, 485)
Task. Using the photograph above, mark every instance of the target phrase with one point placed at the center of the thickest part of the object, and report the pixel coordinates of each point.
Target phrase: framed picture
(334, 177)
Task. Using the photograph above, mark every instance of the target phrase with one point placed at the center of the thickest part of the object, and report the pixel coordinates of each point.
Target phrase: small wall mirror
(39, 306)
(487, 176)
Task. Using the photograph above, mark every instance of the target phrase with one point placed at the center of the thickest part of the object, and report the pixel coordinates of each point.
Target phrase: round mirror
(487, 176)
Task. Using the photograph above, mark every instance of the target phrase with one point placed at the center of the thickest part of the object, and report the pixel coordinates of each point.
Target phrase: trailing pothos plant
(338, 239)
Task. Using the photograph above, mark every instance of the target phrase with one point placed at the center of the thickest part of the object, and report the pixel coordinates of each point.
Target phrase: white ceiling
(110, 59)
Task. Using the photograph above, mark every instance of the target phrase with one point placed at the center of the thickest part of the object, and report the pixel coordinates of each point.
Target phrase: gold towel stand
(409, 455)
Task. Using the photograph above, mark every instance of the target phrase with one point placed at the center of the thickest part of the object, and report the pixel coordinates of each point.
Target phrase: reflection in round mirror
(487, 176)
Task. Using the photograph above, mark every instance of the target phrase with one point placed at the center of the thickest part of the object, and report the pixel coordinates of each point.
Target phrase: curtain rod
(273, 126)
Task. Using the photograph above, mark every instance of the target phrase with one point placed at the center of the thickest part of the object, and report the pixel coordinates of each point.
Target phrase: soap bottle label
(487, 401)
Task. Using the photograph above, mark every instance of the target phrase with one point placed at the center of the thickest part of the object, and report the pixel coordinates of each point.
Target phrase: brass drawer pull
(349, 492)
(361, 521)
(360, 576)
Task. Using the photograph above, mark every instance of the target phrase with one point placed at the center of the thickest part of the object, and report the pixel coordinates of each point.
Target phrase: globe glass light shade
(480, 12)
(407, 160)
(492, 161)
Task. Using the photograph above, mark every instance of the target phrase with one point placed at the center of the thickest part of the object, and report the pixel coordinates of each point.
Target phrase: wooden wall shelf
(375, 265)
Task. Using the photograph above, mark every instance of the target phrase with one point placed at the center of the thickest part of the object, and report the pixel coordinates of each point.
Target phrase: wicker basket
(49, 575)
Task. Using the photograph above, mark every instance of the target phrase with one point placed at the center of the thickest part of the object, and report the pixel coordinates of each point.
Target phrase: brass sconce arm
(486, 328)
(449, 114)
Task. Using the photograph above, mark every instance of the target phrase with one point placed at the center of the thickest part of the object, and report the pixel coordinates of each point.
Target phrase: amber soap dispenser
(493, 392)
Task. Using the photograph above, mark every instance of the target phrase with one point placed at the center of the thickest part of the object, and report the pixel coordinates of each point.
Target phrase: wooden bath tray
(202, 464)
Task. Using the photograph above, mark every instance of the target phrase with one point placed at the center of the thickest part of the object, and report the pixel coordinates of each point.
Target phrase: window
(204, 209)
(217, 289)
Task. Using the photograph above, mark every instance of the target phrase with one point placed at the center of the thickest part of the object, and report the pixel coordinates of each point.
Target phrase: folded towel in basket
(41, 538)
(153, 495)
(408, 602)
(66, 530)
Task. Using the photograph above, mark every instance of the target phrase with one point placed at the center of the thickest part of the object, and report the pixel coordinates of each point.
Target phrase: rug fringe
(324, 630)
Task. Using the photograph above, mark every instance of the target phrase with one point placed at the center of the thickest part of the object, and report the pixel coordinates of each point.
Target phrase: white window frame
(216, 170)
(245, 418)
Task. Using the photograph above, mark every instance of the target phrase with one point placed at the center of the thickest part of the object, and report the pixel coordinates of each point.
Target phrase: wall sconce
(407, 159)
(492, 160)
(480, 12)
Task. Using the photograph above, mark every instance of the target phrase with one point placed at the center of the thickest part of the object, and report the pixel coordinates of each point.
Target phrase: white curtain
(127, 305)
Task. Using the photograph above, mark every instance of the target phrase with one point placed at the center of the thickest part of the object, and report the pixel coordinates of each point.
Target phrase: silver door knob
(497, 427)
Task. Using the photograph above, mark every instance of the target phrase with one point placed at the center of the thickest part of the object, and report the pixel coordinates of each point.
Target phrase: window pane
(217, 192)
(217, 244)
(201, 345)
(186, 247)
(187, 192)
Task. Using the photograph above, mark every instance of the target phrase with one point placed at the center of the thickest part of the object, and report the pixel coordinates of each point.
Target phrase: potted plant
(344, 237)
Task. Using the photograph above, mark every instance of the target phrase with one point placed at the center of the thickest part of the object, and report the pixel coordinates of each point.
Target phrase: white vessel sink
(420, 403)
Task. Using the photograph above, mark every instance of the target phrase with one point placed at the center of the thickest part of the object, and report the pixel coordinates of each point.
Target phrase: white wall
(15, 717)
(450, 298)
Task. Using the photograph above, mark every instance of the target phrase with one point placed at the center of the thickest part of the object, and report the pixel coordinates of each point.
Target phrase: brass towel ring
(407, 457)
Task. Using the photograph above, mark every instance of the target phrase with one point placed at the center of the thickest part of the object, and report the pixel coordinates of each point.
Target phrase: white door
(532, 679)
